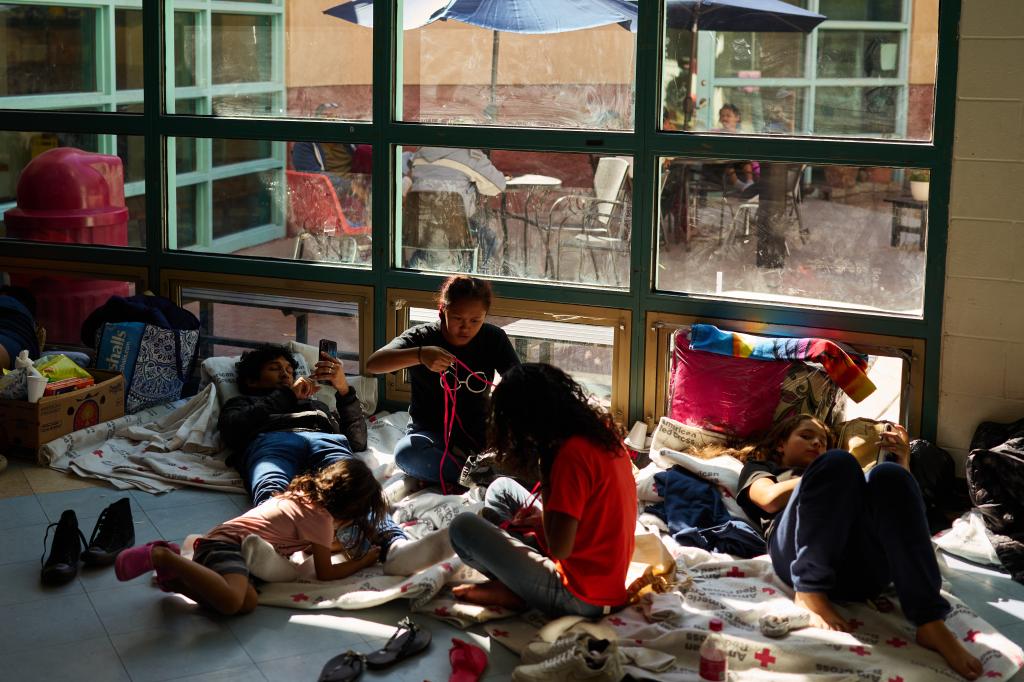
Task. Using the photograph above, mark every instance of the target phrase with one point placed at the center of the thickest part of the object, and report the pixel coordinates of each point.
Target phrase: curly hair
(459, 288)
(537, 407)
(349, 492)
(767, 447)
(251, 363)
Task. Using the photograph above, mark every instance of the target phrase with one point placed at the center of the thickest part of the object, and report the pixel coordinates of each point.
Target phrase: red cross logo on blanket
(860, 651)
(896, 642)
(98, 453)
(854, 624)
(616, 621)
(768, 590)
(735, 572)
(993, 673)
(499, 633)
(405, 587)
(765, 657)
(971, 635)
(896, 679)
(441, 611)
(300, 597)
(447, 567)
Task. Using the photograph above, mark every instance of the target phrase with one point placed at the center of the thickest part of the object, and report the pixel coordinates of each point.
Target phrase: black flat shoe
(114, 532)
(407, 641)
(62, 566)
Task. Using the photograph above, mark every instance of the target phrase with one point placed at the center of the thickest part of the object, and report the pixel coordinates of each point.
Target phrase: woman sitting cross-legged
(544, 428)
(834, 533)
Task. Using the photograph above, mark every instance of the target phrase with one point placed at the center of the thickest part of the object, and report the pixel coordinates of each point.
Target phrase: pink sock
(468, 661)
(133, 562)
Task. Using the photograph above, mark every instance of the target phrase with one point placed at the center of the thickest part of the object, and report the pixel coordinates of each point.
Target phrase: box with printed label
(25, 426)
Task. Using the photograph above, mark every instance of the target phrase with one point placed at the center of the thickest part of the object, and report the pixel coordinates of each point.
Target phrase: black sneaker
(62, 566)
(114, 532)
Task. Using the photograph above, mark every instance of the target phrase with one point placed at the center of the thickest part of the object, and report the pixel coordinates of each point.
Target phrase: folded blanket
(842, 364)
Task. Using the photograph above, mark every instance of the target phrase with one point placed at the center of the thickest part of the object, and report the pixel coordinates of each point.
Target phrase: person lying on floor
(304, 517)
(835, 534)
(544, 428)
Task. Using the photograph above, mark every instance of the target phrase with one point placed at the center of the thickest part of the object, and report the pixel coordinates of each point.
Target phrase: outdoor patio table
(908, 204)
(535, 188)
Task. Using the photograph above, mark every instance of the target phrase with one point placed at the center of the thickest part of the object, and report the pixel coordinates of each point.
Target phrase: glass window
(531, 215)
(815, 80)
(858, 54)
(241, 48)
(128, 48)
(585, 351)
(47, 49)
(233, 321)
(456, 72)
(848, 111)
(64, 301)
(18, 149)
(310, 65)
(843, 237)
(274, 199)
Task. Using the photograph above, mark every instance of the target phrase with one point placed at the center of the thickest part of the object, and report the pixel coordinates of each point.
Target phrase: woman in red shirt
(569, 553)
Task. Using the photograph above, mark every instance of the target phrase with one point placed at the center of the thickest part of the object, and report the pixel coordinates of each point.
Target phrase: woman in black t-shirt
(464, 352)
(834, 533)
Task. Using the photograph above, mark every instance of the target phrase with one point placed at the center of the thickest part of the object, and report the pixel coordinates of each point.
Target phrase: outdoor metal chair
(436, 233)
(322, 231)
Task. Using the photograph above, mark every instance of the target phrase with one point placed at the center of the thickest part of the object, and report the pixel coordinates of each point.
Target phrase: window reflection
(844, 237)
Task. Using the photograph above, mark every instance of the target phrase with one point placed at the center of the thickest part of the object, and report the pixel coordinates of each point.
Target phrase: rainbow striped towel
(843, 365)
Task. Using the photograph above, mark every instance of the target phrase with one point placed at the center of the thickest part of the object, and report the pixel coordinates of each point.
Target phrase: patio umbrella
(735, 15)
(513, 16)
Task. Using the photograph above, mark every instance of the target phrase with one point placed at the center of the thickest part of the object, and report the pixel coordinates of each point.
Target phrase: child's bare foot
(490, 593)
(823, 613)
(937, 637)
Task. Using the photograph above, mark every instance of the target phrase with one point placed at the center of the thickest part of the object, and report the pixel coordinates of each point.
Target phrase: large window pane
(47, 50)
(455, 72)
(829, 77)
(292, 59)
(841, 237)
(273, 199)
(529, 215)
(18, 149)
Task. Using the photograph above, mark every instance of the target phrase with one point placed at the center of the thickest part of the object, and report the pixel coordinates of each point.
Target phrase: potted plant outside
(919, 180)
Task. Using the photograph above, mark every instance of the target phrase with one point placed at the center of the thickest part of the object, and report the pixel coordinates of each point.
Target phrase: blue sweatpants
(850, 536)
(273, 459)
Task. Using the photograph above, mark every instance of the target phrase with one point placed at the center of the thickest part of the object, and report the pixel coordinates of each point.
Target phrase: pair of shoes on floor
(114, 532)
(576, 656)
(409, 639)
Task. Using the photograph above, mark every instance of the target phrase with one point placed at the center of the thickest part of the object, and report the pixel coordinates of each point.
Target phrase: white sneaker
(578, 659)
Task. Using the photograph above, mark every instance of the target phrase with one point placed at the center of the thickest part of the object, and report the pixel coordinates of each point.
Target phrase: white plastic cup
(36, 386)
(637, 435)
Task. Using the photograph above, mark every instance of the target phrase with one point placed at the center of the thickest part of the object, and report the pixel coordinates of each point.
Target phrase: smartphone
(331, 348)
(883, 454)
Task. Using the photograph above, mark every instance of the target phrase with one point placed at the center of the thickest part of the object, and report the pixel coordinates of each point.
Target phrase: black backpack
(944, 496)
(995, 476)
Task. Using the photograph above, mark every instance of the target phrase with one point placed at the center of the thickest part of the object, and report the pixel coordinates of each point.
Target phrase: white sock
(265, 563)
(400, 487)
(406, 557)
(779, 624)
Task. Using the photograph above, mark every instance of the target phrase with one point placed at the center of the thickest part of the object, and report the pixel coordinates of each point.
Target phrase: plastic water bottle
(714, 661)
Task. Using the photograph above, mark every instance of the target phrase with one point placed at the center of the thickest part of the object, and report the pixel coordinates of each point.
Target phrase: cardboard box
(25, 426)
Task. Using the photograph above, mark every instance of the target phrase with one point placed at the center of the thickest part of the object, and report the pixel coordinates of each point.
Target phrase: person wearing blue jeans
(277, 430)
(834, 533)
(506, 557)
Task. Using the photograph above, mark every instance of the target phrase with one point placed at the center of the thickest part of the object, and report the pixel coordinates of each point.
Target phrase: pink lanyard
(450, 385)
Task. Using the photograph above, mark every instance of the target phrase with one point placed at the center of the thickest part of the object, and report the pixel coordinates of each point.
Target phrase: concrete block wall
(982, 375)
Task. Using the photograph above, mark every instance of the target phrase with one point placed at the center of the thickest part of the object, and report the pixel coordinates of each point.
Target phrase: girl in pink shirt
(305, 517)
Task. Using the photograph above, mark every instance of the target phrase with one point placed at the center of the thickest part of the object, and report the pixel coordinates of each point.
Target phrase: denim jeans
(850, 536)
(500, 556)
(419, 454)
(273, 459)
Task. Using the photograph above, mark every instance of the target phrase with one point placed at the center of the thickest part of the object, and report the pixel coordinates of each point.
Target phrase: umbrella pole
(492, 108)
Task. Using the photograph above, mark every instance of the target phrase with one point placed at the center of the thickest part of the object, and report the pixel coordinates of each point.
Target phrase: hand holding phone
(884, 454)
(331, 349)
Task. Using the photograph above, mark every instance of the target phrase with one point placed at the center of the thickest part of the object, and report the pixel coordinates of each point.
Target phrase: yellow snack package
(57, 367)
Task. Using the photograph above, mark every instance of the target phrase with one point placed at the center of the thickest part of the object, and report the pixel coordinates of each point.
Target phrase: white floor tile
(91, 659)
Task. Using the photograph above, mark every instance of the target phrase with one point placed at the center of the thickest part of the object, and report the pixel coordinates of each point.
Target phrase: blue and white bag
(156, 362)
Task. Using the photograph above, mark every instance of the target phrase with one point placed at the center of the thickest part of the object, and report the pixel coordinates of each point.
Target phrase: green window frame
(646, 144)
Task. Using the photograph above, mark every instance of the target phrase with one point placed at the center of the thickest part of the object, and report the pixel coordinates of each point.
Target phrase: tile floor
(96, 628)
